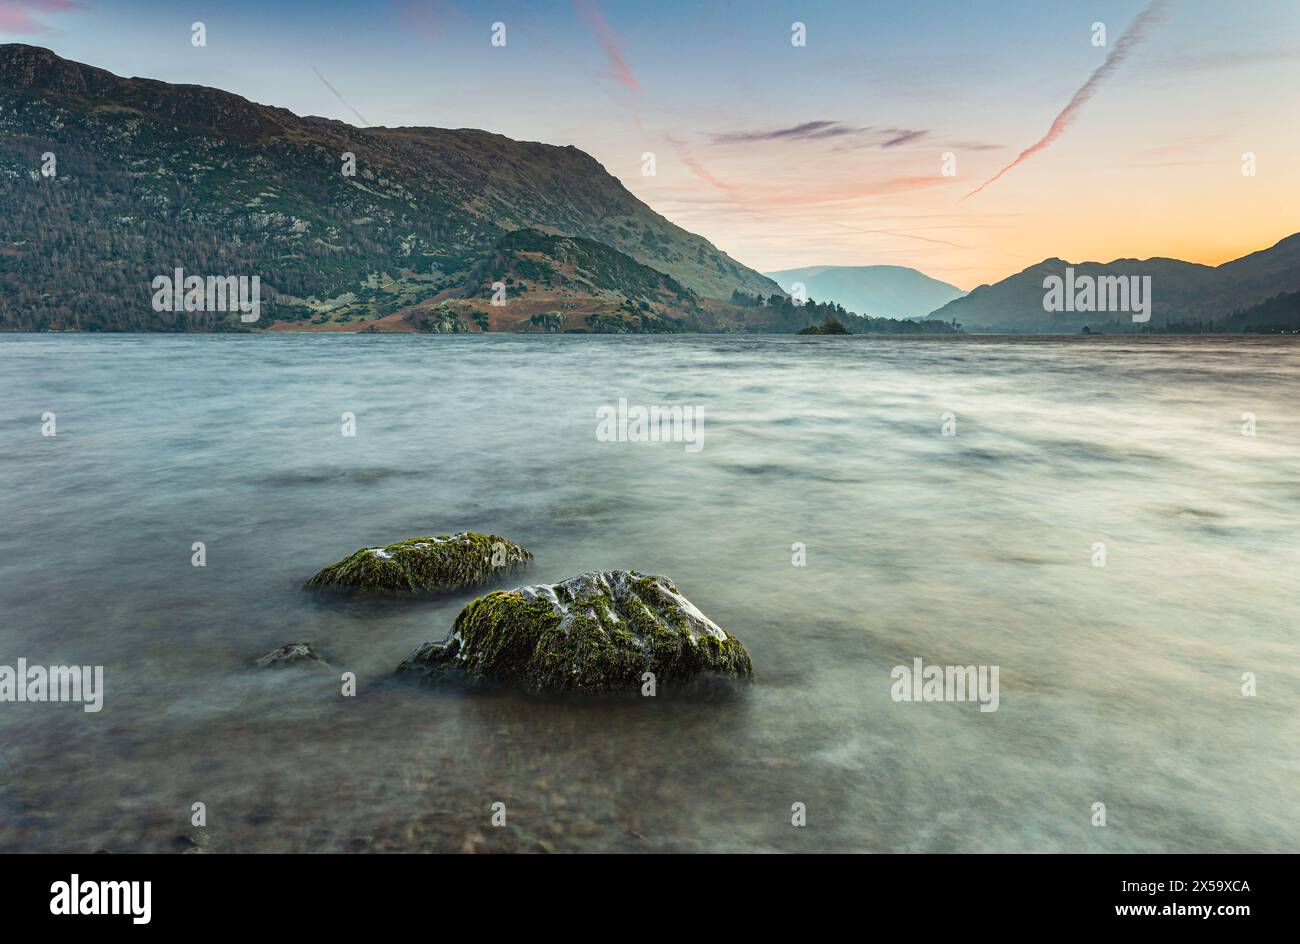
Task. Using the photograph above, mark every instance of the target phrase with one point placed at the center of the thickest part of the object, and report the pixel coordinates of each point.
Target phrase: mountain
(149, 176)
(1181, 292)
(781, 314)
(881, 290)
(569, 284)
(555, 284)
(1277, 315)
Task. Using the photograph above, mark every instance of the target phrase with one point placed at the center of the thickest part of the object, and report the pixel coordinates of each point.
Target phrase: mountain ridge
(158, 174)
(888, 291)
(1181, 291)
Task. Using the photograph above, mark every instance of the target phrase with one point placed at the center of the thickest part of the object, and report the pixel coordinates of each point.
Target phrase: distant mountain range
(1182, 293)
(108, 183)
(882, 291)
(149, 176)
(569, 284)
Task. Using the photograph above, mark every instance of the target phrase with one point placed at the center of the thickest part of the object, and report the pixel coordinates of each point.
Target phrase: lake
(1111, 522)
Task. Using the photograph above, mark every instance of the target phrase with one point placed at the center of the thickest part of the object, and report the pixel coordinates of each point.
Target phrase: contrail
(894, 232)
(696, 167)
(1152, 15)
(363, 121)
(605, 35)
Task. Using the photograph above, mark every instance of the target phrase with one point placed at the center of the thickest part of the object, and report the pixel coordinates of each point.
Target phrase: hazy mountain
(881, 290)
(149, 176)
(1180, 292)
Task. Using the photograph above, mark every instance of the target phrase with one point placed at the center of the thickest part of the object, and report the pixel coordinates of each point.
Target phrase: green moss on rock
(447, 562)
(596, 632)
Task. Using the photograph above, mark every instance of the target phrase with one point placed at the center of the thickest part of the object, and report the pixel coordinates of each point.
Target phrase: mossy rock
(597, 632)
(448, 562)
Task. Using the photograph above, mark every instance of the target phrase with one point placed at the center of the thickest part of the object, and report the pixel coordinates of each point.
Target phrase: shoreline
(919, 336)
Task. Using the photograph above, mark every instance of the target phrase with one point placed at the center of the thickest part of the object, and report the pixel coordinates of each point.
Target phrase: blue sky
(1150, 166)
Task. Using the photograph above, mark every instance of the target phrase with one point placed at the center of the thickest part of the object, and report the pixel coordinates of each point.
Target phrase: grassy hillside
(151, 176)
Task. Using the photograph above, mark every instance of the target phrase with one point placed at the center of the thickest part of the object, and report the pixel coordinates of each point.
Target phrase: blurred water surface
(1119, 684)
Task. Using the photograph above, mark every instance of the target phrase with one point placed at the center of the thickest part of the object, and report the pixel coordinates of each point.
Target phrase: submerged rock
(448, 562)
(290, 654)
(595, 632)
(196, 841)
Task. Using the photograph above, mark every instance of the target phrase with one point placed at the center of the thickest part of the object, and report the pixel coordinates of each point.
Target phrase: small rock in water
(596, 632)
(292, 654)
(196, 841)
(447, 562)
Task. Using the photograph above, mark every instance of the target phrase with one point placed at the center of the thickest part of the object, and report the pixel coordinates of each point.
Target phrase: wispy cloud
(807, 131)
(24, 16)
(901, 136)
(822, 130)
(767, 195)
(698, 169)
(1197, 62)
(899, 234)
(976, 146)
(850, 192)
(605, 35)
(1152, 15)
(363, 121)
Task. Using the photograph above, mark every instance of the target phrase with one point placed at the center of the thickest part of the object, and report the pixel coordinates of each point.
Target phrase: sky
(863, 146)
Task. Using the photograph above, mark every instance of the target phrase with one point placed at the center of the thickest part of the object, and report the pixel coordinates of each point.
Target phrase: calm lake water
(1119, 684)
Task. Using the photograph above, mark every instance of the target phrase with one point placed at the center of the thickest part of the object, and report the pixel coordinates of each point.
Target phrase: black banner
(216, 893)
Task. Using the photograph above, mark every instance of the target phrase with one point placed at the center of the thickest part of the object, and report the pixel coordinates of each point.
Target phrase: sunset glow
(823, 154)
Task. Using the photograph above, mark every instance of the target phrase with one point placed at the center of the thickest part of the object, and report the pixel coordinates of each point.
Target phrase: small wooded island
(829, 326)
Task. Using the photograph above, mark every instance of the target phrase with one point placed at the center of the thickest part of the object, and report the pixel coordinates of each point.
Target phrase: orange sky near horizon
(1104, 191)
(1183, 152)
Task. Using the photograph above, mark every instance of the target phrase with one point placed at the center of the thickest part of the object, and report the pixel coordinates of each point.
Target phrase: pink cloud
(698, 169)
(849, 192)
(431, 19)
(605, 35)
(21, 16)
